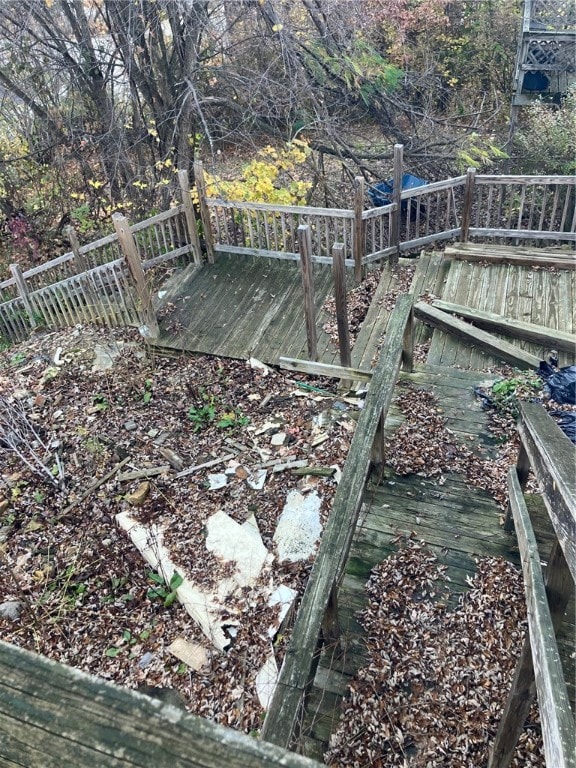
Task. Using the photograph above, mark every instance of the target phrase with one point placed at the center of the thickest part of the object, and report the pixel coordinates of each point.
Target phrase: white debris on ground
(299, 527)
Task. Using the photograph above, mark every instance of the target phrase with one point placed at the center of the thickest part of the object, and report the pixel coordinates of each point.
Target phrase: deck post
(305, 248)
(130, 251)
(396, 193)
(339, 274)
(184, 182)
(408, 344)
(200, 182)
(79, 261)
(24, 295)
(358, 232)
(467, 209)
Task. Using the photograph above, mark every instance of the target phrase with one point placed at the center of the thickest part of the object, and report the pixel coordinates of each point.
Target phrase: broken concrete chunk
(234, 543)
(11, 609)
(299, 527)
(250, 525)
(105, 356)
(284, 597)
(256, 479)
(278, 438)
(259, 366)
(217, 481)
(192, 654)
(266, 680)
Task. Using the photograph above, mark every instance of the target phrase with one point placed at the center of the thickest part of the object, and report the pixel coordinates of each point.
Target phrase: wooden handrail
(552, 458)
(297, 671)
(53, 715)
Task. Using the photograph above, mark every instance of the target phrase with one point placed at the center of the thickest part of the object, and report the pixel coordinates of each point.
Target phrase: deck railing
(94, 282)
(534, 210)
(316, 622)
(551, 456)
(51, 714)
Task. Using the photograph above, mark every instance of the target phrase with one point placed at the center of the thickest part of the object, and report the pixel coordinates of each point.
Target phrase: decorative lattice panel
(553, 15)
(553, 55)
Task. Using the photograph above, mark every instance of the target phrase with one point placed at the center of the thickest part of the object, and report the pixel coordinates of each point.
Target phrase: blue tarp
(381, 193)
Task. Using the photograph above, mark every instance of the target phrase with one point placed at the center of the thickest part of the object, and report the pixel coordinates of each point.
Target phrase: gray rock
(145, 660)
(11, 609)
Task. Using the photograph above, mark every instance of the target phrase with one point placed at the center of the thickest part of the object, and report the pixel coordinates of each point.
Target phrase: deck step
(502, 350)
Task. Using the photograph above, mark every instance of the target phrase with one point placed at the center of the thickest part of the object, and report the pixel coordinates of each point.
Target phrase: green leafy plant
(202, 415)
(118, 590)
(17, 358)
(126, 642)
(507, 392)
(168, 593)
(233, 418)
(99, 402)
(213, 410)
(148, 393)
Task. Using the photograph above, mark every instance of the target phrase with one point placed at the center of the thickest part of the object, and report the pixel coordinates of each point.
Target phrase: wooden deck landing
(457, 522)
(244, 307)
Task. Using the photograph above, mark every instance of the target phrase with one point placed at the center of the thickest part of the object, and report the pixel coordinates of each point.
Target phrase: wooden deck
(242, 307)
(542, 296)
(457, 522)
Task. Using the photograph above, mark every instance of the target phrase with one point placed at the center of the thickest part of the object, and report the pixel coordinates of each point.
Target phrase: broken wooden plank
(140, 473)
(314, 471)
(502, 350)
(289, 465)
(175, 461)
(499, 255)
(550, 337)
(324, 369)
(206, 464)
(96, 484)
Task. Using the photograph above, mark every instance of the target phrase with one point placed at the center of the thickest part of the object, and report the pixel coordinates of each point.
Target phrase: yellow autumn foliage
(269, 178)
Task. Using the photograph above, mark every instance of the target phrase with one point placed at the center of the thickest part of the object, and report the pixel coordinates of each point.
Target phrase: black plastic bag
(566, 420)
(560, 383)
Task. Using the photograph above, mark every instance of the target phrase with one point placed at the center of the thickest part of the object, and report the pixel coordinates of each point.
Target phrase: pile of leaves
(80, 591)
(436, 680)
(359, 299)
(424, 444)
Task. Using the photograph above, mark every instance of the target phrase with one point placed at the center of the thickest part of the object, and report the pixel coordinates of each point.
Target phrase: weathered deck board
(366, 346)
(429, 275)
(540, 296)
(456, 521)
(243, 306)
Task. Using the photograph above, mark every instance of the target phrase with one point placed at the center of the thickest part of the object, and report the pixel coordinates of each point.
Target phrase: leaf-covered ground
(83, 593)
